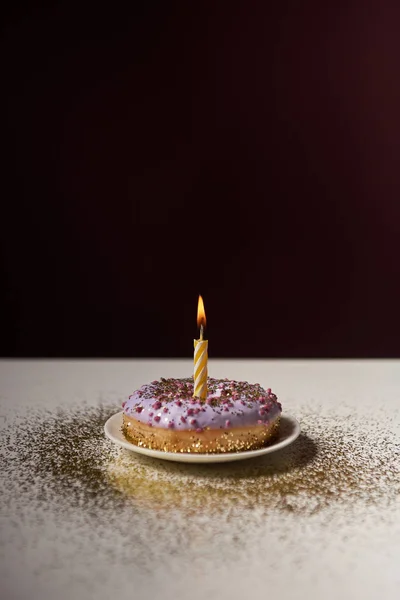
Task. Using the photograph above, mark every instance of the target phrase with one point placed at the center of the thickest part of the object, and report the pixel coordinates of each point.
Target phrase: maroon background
(248, 153)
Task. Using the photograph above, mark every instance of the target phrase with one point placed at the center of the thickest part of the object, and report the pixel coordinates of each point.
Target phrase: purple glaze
(242, 402)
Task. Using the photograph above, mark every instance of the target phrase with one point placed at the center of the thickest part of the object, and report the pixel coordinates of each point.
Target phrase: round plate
(289, 430)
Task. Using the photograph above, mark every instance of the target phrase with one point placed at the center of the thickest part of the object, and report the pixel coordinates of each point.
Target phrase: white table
(320, 520)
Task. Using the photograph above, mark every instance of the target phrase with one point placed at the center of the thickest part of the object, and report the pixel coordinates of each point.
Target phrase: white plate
(289, 430)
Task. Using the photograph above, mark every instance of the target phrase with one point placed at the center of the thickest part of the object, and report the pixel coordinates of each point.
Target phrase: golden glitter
(334, 462)
(73, 503)
(330, 464)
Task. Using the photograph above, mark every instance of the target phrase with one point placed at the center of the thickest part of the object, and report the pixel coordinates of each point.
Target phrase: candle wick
(201, 332)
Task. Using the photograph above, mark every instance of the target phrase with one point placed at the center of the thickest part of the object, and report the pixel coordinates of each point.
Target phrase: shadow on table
(296, 456)
(265, 481)
(215, 487)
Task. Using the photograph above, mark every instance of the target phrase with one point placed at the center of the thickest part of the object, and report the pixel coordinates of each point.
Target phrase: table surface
(81, 518)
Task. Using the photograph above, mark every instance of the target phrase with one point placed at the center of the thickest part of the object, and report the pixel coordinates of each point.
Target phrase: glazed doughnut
(236, 416)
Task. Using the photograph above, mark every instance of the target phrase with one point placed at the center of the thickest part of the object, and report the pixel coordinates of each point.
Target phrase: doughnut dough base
(234, 439)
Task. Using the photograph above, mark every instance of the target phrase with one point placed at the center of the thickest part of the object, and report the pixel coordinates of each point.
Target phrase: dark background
(248, 152)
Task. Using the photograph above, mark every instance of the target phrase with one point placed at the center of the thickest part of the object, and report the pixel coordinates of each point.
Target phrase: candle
(200, 355)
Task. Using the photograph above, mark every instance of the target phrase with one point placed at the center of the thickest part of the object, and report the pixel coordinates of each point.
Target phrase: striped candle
(200, 368)
(200, 356)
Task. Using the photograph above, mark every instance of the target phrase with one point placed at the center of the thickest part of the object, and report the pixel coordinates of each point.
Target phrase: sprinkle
(209, 401)
(261, 412)
(157, 405)
(269, 391)
(196, 411)
(157, 418)
(165, 409)
(190, 412)
(199, 430)
(178, 403)
(151, 414)
(139, 409)
(170, 424)
(227, 423)
(183, 419)
(193, 421)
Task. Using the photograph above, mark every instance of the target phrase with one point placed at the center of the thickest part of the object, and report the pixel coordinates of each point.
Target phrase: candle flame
(201, 314)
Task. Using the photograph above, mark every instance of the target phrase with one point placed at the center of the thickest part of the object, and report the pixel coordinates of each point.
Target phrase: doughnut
(235, 416)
